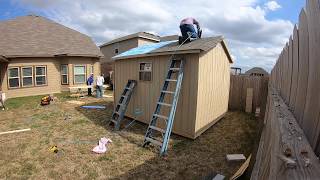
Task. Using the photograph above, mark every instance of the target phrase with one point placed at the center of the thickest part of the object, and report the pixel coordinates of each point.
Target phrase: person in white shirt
(100, 82)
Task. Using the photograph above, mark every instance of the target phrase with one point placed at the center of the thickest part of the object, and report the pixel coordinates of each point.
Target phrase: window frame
(61, 74)
(91, 70)
(45, 75)
(17, 77)
(146, 71)
(22, 76)
(85, 73)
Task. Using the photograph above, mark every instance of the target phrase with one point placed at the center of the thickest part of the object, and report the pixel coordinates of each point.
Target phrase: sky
(255, 30)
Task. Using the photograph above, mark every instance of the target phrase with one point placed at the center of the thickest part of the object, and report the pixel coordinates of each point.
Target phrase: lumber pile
(284, 151)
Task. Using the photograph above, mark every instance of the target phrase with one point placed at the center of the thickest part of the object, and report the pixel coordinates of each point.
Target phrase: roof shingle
(35, 36)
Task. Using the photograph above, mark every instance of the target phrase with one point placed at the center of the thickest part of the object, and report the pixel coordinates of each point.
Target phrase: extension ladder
(176, 67)
(122, 105)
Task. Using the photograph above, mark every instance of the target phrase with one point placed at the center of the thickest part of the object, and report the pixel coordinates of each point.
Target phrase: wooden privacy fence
(238, 92)
(283, 138)
(296, 74)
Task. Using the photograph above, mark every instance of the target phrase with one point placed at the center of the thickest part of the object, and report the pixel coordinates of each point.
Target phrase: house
(122, 44)
(257, 71)
(205, 87)
(39, 56)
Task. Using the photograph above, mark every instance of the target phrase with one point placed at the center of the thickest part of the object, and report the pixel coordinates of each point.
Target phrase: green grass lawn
(76, 131)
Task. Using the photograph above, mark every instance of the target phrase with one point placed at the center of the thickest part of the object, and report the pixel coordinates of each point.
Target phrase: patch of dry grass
(76, 131)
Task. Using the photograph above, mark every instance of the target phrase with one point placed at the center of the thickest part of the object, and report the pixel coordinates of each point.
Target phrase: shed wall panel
(146, 93)
(213, 88)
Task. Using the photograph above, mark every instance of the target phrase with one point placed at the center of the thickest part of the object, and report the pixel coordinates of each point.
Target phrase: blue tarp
(93, 107)
(144, 49)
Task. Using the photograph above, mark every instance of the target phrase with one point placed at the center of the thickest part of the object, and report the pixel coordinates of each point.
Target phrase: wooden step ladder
(122, 105)
(176, 66)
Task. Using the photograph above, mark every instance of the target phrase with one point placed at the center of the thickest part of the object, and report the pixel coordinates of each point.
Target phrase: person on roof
(186, 26)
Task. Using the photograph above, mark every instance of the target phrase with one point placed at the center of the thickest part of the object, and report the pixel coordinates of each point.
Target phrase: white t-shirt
(100, 80)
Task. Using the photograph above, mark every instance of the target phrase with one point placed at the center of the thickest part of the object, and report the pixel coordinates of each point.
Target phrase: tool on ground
(122, 105)
(54, 149)
(176, 66)
(46, 100)
(15, 131)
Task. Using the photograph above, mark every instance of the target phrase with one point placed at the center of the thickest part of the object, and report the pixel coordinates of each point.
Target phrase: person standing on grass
(100, 82)
(90, 83)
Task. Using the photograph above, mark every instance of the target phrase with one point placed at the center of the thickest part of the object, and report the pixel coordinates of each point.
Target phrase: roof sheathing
(197, 46)
(142, 35)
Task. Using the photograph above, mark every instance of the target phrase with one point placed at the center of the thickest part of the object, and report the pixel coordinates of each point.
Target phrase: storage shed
(205, 87)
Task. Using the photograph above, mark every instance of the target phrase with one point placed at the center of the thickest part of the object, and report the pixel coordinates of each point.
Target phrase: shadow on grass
(101, 117)
(188, 159)
(203, 157)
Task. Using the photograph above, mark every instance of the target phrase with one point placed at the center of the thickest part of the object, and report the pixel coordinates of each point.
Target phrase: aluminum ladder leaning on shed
(176, 66)
(122, 105)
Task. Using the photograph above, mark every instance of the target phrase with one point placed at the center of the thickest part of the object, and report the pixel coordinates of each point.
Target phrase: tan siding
(53, 77)
(213, 88)
(109, 50)
(146, 94)
(53, 74)
(142, 41)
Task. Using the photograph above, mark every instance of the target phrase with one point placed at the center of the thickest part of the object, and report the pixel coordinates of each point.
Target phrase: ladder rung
(123, 96)
(175, 69)
(153, 141)
(157, 129)
(172, 80)
(115, 122)
(165, 104)
(160, 116)
(168, 92)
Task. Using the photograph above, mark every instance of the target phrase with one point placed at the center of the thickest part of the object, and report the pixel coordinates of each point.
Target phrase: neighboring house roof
(257, 70)
(169, 38)
(35, 36)
(171, 47)
(143, 35)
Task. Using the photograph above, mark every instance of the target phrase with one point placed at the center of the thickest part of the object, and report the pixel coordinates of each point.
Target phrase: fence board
(289, 70)
(295, 67)
(312, 107)
(280, 132)
(238, 92)
(303, 67)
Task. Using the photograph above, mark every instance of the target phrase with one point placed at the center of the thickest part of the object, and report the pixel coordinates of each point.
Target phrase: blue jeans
(99, 91)
(185, 28)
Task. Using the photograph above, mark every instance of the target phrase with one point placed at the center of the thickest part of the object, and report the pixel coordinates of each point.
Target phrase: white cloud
(272, 5)
(253, 39)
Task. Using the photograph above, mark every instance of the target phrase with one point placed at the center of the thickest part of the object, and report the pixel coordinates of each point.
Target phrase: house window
(27, 76)
(79, 74)
(116, 51)
(64, 74)
(145, 72)
(14, 77)
(41, 75)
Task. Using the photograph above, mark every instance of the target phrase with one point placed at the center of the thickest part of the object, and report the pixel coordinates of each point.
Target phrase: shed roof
(36, 36)
(144, 35)
(171, 47)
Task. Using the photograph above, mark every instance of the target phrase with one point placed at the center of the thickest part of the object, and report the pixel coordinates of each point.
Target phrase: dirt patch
(76, 131)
